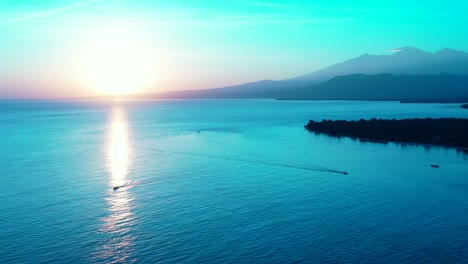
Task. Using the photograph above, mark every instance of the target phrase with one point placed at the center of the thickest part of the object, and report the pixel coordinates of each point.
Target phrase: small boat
(345, 173)
(435, 166)
(115, 188)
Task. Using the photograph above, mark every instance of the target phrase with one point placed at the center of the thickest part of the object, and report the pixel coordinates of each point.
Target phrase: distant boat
(435, 166)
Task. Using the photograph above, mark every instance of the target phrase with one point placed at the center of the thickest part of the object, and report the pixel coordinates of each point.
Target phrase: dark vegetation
(443, 131)
(436, 101)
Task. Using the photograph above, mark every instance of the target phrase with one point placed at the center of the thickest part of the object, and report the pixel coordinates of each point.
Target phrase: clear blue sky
(204, 43)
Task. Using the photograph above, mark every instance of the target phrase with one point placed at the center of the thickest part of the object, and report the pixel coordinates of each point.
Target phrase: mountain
(260, 89)
(409, 88)
(405, 60)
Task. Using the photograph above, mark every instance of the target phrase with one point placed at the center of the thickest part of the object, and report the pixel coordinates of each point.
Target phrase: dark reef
(443, 131)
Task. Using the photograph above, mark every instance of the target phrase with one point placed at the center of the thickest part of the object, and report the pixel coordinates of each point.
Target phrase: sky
(70, 48)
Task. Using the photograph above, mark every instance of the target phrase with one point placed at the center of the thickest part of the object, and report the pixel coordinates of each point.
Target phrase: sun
(117, 63)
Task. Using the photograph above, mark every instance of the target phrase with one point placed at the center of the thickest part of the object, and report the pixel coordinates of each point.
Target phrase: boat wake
(129, 184)
(309, 168)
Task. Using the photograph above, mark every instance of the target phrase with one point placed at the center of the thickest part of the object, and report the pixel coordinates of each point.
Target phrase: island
(451, 132)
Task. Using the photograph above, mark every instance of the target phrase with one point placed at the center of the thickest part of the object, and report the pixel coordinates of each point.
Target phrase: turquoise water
(223, 181)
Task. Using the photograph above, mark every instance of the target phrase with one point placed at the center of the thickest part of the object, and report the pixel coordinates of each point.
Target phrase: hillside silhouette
(406, 60)
(437, 67)
(443, 87)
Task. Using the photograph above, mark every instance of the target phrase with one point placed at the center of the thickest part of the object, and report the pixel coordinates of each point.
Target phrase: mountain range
(406, 60)
(407, 74)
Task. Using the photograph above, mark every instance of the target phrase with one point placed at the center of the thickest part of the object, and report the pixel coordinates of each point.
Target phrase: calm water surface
(223, 181)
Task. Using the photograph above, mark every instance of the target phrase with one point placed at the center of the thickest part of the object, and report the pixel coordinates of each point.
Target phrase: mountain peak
(408, 50)
(365, 55)
(450, 52)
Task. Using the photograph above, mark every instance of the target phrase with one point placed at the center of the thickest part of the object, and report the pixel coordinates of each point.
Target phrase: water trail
(132, 183)
(309, 168)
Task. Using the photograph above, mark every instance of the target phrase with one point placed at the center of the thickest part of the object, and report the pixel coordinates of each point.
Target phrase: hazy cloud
(218, 22)
(40, 14)
(311, 5)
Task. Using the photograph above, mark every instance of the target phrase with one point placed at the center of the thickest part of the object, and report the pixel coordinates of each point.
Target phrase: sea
(224, 181)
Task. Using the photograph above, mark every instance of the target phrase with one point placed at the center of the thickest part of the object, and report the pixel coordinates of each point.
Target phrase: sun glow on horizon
(117, 63)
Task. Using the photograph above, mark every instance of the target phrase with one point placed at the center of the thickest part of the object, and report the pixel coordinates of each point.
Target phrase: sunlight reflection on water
(119, 242)
(119, 148)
